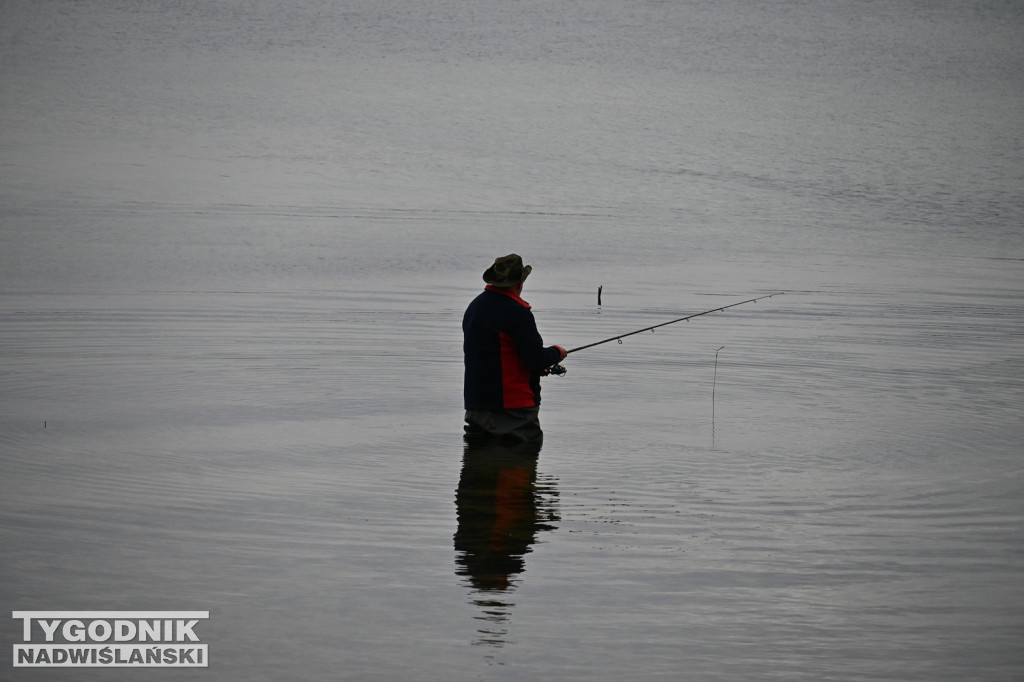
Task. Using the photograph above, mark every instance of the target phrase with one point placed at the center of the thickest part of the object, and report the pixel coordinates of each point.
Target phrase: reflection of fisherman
(505, 357)
(499, 513)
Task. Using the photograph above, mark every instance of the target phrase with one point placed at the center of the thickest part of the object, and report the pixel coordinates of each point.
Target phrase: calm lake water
(236, 241)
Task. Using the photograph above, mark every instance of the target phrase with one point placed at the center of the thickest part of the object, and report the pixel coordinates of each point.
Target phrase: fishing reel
(557, 369)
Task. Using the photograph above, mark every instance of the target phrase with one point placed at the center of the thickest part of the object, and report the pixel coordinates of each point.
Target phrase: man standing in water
(505, 358)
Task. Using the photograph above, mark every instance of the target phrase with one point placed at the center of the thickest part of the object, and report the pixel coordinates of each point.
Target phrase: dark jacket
(503, 351)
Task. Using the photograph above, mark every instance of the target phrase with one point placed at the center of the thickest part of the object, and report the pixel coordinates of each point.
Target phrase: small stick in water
(599, 294)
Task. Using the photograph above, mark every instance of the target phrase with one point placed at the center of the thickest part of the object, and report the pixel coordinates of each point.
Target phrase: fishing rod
(560, 370)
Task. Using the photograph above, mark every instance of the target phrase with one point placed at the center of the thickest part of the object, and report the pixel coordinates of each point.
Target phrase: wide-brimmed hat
(507, 271)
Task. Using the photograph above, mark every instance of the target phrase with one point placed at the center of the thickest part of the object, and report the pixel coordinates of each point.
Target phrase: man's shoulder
(508, 297)
(485, 299)
(496, 305)
(489, 297)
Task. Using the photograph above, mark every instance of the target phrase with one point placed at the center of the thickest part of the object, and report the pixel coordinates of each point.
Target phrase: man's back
(504, 353)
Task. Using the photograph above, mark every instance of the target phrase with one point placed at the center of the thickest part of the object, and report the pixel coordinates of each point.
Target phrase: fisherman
(505, 358)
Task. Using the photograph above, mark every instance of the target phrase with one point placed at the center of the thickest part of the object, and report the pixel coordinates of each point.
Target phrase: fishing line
(714, 379)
